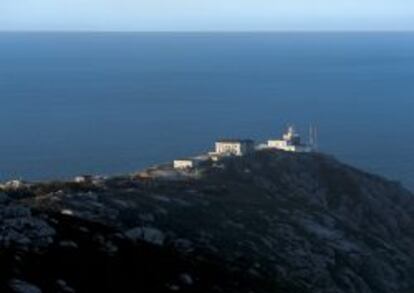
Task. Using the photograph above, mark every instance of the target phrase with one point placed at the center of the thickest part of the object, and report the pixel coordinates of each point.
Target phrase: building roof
(235, 140)
(193, 159)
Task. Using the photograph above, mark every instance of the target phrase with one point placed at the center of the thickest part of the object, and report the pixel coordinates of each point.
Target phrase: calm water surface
(114, 103)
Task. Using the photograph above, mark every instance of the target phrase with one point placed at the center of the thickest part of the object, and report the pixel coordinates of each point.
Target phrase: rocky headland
(270, 221)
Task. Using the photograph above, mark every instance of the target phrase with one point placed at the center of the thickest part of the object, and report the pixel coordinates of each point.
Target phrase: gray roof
(235, 140)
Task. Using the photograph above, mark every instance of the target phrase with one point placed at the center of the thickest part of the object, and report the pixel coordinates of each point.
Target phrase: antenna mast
(313, 136)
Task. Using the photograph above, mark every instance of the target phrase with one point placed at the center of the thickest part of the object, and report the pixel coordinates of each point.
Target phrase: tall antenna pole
(311, 136)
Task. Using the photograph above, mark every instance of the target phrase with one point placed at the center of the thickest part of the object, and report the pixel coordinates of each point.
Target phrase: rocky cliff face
(269, 222)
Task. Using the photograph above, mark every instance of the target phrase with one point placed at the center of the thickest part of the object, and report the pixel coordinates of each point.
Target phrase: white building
(236, 147)
(186, 163)
(280, 144)
(14, 184)
(290, 142)
(83, 179)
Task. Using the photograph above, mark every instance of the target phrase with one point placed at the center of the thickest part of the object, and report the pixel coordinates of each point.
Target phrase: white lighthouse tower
(291, 136)
(290, 142)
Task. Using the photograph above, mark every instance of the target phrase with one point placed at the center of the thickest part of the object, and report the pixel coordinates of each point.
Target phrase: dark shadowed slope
(269, 222)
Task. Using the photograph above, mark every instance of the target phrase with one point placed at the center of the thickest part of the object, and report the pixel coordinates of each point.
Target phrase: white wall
(277, 144)
(183, 164)
(232, 148)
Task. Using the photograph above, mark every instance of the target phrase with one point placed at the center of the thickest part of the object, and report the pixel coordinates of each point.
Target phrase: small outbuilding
(186, 163)
(83, 179)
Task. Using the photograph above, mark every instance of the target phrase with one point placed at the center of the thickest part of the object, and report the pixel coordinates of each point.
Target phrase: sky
(206, 15)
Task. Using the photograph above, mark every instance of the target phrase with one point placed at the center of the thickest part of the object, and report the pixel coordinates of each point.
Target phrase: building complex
(290, 142)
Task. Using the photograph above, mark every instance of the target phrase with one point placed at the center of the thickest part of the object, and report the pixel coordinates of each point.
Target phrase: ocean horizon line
(86, 31)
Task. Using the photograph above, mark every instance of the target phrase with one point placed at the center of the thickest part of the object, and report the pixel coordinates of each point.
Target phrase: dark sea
(111, 103)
